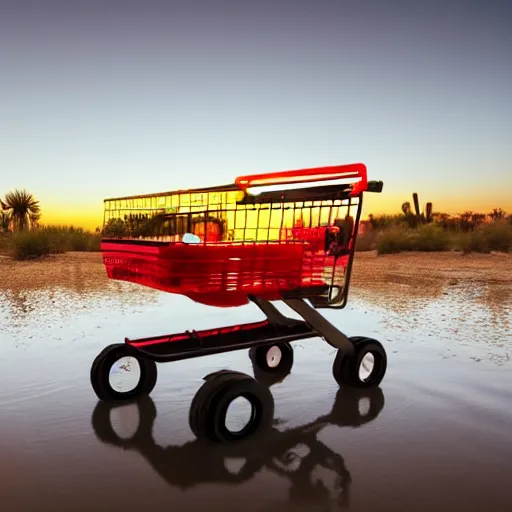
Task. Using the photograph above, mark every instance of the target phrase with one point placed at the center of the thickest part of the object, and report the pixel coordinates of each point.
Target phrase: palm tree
(25, 209)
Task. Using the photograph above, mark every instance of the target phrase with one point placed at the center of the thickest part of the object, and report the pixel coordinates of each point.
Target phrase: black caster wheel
(272, 359)
(208, 418)
(119, 361)
(365, 368)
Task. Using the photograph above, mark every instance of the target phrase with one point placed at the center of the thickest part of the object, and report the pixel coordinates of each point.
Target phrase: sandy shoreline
(369, 272)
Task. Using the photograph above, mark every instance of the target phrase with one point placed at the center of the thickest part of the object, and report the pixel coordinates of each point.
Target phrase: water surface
(438, 435)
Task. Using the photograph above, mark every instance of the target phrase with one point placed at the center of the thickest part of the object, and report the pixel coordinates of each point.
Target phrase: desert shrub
(393, 240)
(29, 244)
(56, 236)
(94, 243)
(473, 242)
(380, 222)
(429, 237)
(366, 241)
(76, 239)
(499, 235)
(426, 237)
(495, 236)
(69, 238)
(5, 243)
(46, 240)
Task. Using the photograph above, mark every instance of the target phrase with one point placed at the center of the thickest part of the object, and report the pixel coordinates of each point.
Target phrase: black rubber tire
(102, 425)
(345, 367)
(103, 363)
(258, 357)
(209, 407)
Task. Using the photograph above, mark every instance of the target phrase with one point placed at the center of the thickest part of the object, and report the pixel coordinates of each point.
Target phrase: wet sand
(86, 270)
(437, 437)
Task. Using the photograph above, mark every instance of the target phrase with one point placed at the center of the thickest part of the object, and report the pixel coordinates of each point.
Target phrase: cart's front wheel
(365, 368)
(120, 373)
(274, 359)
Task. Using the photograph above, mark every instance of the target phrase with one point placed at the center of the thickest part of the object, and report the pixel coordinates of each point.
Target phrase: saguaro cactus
(416, 204)
(419, 216)
(428, 212)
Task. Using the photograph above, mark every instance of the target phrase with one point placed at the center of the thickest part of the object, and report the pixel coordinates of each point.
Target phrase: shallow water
(438, 436)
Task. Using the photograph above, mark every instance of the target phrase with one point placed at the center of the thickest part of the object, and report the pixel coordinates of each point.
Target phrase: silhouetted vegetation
(45, 240)
(22, 236)
(467, 232)
(20, 210)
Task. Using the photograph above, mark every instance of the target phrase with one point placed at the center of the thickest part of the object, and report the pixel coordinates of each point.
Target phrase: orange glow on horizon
(91, 217)
(89, 220)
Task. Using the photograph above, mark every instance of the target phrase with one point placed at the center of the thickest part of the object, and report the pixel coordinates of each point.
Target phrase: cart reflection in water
(294, 453)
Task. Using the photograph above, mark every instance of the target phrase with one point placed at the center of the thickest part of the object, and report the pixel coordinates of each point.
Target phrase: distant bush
(30, 244)
(366, 241)
(394, 240)
(379, 222)
(428, 238)
(5, 243)
(467, 232)
(485, 238)
(495, 236)
(499, 235)
(46, 240)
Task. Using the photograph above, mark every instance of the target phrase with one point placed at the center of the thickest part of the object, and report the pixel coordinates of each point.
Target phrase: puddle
(441, 439)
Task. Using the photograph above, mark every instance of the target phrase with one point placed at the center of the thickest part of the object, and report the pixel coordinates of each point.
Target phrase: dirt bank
(455, 267)
(428, 271)
(396, 280)
(69, 270)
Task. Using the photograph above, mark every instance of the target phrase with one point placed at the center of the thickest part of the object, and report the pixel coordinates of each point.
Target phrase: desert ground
(369, 270)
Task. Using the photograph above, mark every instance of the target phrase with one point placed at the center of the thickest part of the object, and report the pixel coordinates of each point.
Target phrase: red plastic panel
(222, 274)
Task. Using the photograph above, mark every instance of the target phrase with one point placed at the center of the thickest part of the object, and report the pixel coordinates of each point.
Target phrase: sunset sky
(102, 99)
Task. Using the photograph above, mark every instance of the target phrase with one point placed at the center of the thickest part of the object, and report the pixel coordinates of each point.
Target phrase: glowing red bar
(335, 172)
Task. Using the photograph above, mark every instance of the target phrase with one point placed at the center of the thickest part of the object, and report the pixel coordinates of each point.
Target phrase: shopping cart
(286, 236)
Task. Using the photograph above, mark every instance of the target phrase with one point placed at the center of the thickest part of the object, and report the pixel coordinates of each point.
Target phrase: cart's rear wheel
(209, 412)
(364, 368)
(117, 364)
(272, 359)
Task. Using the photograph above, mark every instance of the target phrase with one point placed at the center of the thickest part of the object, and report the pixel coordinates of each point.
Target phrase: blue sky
(100, 99)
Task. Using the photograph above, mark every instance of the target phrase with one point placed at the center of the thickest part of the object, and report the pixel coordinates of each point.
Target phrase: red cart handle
(354, 174)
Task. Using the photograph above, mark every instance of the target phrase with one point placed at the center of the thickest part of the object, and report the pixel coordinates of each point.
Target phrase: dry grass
(46, 240)
(397, 238)
(390, 237)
